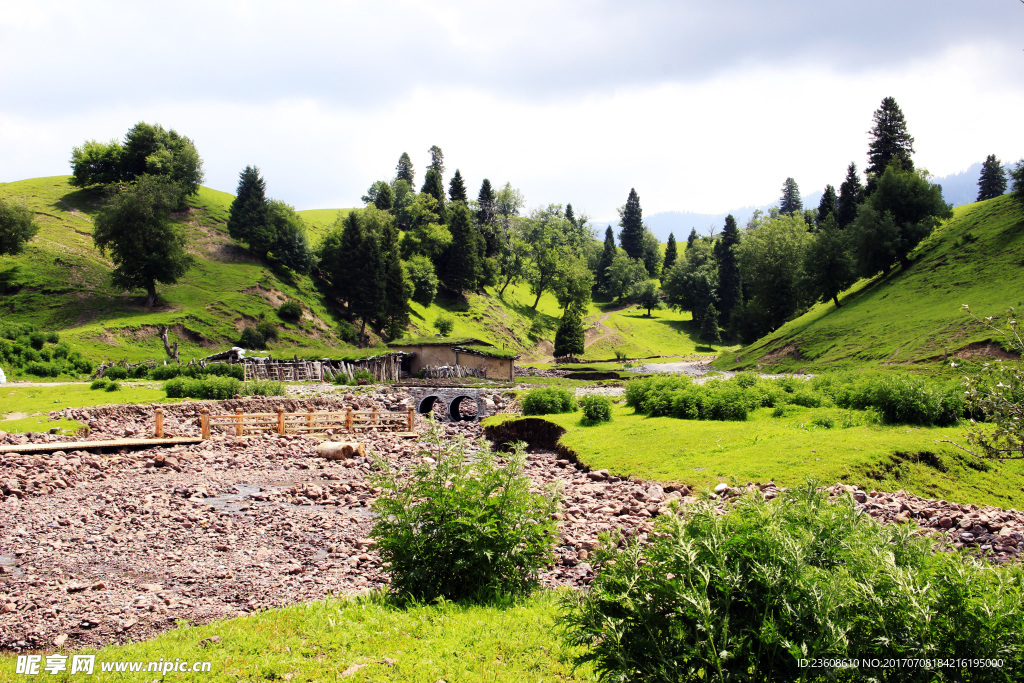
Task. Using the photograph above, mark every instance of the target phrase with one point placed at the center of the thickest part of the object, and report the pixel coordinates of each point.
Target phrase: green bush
(99, 384)
(444, 324)
(359, 377)
(209, 388)
(116, 372)
(235, 370)
(262, 387)
(252, 338)
(37, 340)
(267, 329)
(467, 527)
(745, 596)
(290, 311)
(911, 400)
(113, 386)
(348, 332)
(52, 337)
(548, 401)
(596, 409)
(162, 373)
(42, 369)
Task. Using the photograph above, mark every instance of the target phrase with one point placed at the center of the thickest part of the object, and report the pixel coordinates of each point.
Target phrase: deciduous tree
(692, 284)
(135, 228)
(828, 264)
(623, 274)
(17, 227)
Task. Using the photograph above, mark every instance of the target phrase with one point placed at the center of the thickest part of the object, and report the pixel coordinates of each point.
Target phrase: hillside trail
(546, 348)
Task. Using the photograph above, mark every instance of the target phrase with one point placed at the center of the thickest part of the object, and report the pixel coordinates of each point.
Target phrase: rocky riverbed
(100, 548)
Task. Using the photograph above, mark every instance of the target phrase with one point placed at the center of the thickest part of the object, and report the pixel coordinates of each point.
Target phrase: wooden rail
(309, 422)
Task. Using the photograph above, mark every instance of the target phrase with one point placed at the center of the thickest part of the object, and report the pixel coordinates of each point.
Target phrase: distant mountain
(958, 188)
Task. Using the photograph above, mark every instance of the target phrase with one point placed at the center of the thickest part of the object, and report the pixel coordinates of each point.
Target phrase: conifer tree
(459, 266)
(433, 185)
(828, 206)
(729, 280)
(890, 142)
(1017, 174)
(828, 264)
(691, 238)
(607, 256)
(485, 203)
(631, 238)
(671, 253)
(397, 288)
(437, 159)
(709, 331)
(457, 189)
(790, 204)
(248, 218)
(569, 338)
(404, 170)
(851, 195)
(992, 182)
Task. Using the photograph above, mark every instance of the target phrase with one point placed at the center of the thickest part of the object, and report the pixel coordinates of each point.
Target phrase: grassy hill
(61, 283)
(913, 315)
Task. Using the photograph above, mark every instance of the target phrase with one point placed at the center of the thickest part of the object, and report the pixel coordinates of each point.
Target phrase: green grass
(38, 401)
(666, 332)
(790, 449)
(320, 640)
(913, 315)
(319, 221)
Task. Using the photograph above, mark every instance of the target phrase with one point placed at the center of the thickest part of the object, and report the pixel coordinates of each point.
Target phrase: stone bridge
(452, 404)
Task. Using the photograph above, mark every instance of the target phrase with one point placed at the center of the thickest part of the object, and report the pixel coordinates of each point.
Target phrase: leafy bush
(595, 409)
(37, 340)
(537, 327)
(116, 372)
(444, 324)
(210, 388)
(348, 333)
(262, 387)
(113, 386)
(290, 311)
(99, 384)
(267, 330)
(423, 279)
(359, 377)
(252, 338)
(467, 527)
(224, 370)
(52, 337)
(547, 401)
(745, 596)
(42, 369)
(910, 400)
(164, 372)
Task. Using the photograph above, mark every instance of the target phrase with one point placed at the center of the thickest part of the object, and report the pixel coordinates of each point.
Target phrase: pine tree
(691, 238)
(851, 195)
(790, 204)
(828, 206)
(434, 186)
(671, 253)
(459, 266)
(485, 203)
(457, 189)
(366, 285)
(992, 182)
(890, 142)
(828, 263)
(248, 218)
(632, 236)
(607, 256)
(437, 159)
(729, 280)
(569, 338)
(404, 170)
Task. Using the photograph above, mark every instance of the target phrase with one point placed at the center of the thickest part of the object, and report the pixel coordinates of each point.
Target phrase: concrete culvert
(464, 408)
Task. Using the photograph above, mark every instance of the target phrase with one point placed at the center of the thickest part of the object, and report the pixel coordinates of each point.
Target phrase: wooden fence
(303, 423)
(452, 372)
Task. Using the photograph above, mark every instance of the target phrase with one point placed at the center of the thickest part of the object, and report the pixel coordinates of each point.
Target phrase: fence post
(348, 420)
(374, 420)
(412, 419)
(239, 428)
(280, 420)
(309, 421)
(159, 423)
(204, 423)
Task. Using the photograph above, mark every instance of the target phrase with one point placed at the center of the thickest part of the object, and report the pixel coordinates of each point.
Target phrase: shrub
(61, 351)
(262, 387)
(537, 327)
(467, 527)
(52, 337)
(113, 386)
(116, 372)
(547, 401)
(98, 384)
(745, 596)
(225, 370)
(252, 338)
(348, 333)
(595, 409)
(209, 388)
(164, 372)
(910, 400)
(267, 330)
(37, 340)
(444, 324)
(42, 369)
(290, 311)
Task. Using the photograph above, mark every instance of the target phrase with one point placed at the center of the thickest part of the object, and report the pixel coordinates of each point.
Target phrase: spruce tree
(671, 253)
(459, 266)
(851, 195)
(248, 218)
(691, 238)
(569, 338)
(729, 281)
(433, 185)
(457, 189)
(992, 182)
(890, 142)
(404, 170)
(828, 206)
(607, 256)
(397, 288)
(790, 204)
(632, 236)
(485, 203)
(828, 264)
(366, 287)
(709, 331)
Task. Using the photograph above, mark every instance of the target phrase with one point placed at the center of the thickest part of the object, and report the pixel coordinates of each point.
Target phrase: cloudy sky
(700, 106)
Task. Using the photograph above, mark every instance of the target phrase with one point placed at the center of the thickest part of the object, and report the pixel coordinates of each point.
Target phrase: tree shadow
(8, 280)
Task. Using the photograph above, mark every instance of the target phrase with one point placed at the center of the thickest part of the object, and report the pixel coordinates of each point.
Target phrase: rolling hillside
(913, 315)
(60, 283)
